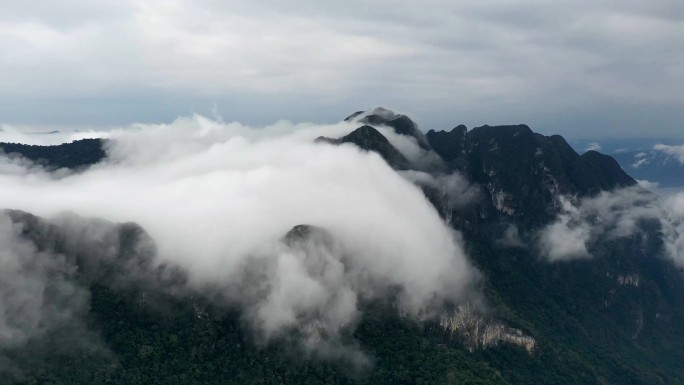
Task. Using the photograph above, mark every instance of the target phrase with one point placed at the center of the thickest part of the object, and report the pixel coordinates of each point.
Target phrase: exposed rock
(628, 280)
(477, 332)
(523, 172)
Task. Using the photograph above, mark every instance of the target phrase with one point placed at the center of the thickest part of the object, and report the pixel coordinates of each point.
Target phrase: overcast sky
(582, 68)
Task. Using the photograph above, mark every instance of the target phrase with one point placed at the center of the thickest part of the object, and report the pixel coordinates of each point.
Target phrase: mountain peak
(300, 234)
(523, 172)
(402, 124)
(369, 139)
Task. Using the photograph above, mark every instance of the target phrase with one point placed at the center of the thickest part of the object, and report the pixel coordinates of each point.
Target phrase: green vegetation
(74, 155)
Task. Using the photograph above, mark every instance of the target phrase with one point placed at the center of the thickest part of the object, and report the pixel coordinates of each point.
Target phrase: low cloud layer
(611, 215)
(218, 198)
(37, 292)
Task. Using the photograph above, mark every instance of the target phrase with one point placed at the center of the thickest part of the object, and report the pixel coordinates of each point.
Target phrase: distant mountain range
(657, 160)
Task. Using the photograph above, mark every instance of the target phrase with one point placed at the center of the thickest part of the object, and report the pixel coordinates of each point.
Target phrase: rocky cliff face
(613, 317)
(119, 255)
(477, 332)
(521, 173)
(402, 124)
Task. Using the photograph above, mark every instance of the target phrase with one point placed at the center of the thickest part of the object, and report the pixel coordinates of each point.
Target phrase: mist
(36, 290)
(217, 199)
(583, 223)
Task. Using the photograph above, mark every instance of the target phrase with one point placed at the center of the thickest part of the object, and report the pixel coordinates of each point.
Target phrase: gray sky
(580, 68)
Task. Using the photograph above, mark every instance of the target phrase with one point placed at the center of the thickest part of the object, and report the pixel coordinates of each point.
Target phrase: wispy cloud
(584, 223)
(675, 151)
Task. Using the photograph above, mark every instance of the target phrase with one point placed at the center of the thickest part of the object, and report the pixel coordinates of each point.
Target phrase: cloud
(511, 238)
(562, 66)
(37, 290)
(567, 237)
(457, 191)
(640, 159)
(46, 136)
(675, 151)
(585, 223)
(593, 146)
(217, 199)
(647, 184)
(419, 157)
(673, 228)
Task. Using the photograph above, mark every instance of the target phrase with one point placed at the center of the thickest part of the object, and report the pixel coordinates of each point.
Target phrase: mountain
(402, 124)
(620, 145)
(128, 325)
(655, 160)
(654, 165)
(369, 139)
(74, 155)
(616, 317)
(522, 172)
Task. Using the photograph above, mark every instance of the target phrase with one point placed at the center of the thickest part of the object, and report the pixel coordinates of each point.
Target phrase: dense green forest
(74, 155)
(171, 341)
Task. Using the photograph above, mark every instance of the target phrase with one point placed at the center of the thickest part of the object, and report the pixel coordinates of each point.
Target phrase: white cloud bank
(218, 198)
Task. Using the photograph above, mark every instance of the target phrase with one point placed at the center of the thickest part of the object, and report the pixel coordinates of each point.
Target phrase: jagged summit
(370, 139)
(402, 124)
(595, 172)
(523, 172)
(615, 317)
(379, 114)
